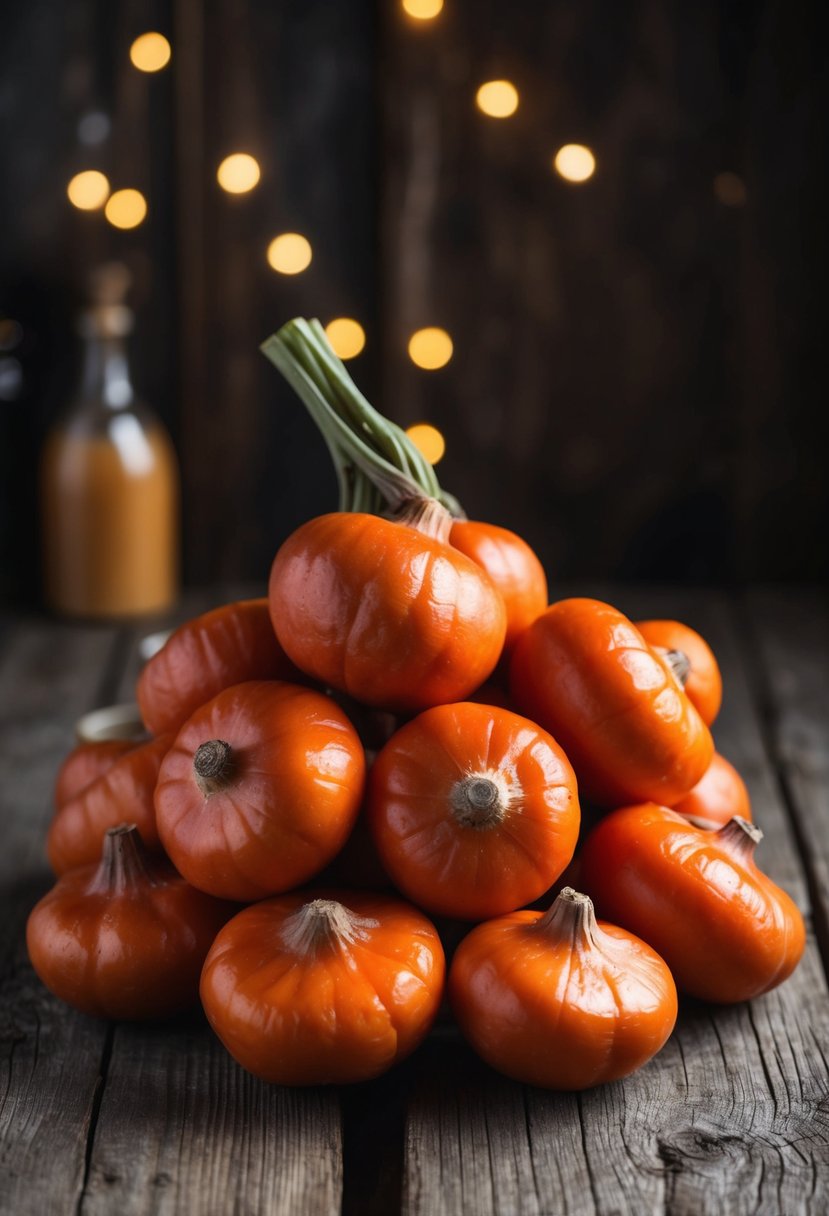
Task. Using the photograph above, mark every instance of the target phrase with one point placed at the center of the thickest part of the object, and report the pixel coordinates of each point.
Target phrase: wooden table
(732, 1117)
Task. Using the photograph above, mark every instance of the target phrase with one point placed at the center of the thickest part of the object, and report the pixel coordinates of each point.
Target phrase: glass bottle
(109, 480)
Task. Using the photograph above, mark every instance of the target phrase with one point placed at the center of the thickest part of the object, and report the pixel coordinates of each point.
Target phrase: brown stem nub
(213, 764)
(570, 918)
(478, 802)
(324, 922)
(428, 516)
(125, 861)
(678, 662)
(740, 838)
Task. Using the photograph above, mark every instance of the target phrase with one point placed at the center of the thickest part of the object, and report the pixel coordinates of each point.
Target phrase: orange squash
(387, 612)
(125, 937)
(473, 810)
(123, 792)
(727, 932)
(586, 674)
(321, 988)
(225, 646)
(718, 796)
(513, 567)
(86, 762)
(693, 661)
(259, 790)
(560, 1000)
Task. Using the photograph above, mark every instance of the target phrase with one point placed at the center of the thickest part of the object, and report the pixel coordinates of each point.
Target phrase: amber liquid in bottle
(109, 489)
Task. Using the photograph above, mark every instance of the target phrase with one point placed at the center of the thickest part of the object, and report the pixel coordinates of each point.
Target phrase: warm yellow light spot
(126, 208)
(346, 336)
(88, 190)
(430, 348)
(150, 52)
(422, 10)
(289, 253)
(497, 98)
(730, 189)
(575, 163)
(428, 440)
(238, 173)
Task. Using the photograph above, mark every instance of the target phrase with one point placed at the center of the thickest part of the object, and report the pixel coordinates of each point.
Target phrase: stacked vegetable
(405, 711)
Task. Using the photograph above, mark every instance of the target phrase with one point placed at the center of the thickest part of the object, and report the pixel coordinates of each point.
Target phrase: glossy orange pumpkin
(473, 809)
(727, 932)
(585, 673)
(125, 938)
(86, 762)
(205, 655)
(558, 1000)
(385, 611)
(513, 567)
(320, 988)
(259, 790)
(718, 796)
(694, 663)
(123, 792)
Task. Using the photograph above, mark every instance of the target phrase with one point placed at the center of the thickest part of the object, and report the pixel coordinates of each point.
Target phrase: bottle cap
(107, 315)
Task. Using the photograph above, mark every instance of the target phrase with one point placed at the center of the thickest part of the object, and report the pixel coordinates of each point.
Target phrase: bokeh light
(88, 190)
(150, 52)
(422, 10)
(497, 98)
(238, 173)
(575, 163)
(428, 440)
(730, 189)
(347, 337)
(126, 208)
(289, 253)
(430, 348)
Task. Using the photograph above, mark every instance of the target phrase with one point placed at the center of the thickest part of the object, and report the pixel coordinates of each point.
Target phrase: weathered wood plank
(51, 1055)
(732, 1117)
(789, 634)
(182, 1129)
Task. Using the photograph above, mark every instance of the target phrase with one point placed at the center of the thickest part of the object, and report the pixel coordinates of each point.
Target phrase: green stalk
(377, 464)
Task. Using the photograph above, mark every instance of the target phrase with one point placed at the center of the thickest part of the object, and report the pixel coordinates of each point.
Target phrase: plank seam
(94, 1114)
(761, 688)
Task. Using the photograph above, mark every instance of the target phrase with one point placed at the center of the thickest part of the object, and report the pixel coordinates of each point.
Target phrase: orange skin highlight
(513, 567)
(384, 612)
(85, 763)
(727, 932)
(704, 684)
(718, 796)
(285, 807)
(461, 863)
(123, 792)
(558, 1000)
(225, 646)
(124, 938)
(301, 1003)
(585, 673)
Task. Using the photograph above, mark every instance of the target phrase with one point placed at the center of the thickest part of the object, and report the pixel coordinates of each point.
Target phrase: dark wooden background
(638, 366)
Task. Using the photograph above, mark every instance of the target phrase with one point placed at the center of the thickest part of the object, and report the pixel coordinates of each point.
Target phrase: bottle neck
(106, 373)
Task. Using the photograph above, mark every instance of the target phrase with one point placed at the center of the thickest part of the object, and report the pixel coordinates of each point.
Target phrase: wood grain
(788, 649)
(733, 1116)
(51, 1055)
(182, 1129)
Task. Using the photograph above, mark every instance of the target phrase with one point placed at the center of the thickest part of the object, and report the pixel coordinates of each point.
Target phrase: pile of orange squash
(399, 736)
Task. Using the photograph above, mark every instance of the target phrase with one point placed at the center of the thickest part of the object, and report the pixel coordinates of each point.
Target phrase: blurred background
(614, 216)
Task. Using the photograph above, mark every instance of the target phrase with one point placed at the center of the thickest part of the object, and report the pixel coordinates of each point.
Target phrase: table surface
(732, 1117)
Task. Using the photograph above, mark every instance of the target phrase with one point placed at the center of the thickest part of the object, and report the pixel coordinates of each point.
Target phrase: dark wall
(637, 359)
